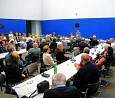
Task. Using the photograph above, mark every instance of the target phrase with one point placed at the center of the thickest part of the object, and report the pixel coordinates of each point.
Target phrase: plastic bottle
(72, 59)
(55, 69)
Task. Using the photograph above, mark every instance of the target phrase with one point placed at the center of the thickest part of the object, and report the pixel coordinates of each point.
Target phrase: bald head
(58, 79)
(35, 45)
(85, 58)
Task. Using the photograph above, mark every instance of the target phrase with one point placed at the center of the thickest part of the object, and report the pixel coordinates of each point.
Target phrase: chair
(92, 90)
(32, 68)
(102, 82)
(76, 51)
(2, 80)
(4, 62)
(44, 67)
(106, 70)
(8, 92)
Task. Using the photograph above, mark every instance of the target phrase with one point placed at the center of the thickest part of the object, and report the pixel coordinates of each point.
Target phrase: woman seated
(12, 70)
(47, 59)
(106, 57)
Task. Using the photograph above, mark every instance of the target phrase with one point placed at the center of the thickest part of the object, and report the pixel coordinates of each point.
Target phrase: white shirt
(113, 46)
(10, 36)
(47, 59)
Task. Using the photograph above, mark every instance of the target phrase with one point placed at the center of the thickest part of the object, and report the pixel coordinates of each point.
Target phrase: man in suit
(60, 54)
(87, 74)
(59, 88)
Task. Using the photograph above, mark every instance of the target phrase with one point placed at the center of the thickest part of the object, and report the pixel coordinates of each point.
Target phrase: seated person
(11, 48)
(86, 50)
(29, 44)
(34, 53)
(53, 45)
(12, 71)
(94, 41)
(23, 43)
(59, 38)
(60, 54)
(59, 89)
(106, 57)
(47, 59)
(2, 47)
(42, 44)
(87, 74)
(82, 45)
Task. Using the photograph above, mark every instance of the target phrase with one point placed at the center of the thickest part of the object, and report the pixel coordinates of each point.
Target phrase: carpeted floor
(109, 90)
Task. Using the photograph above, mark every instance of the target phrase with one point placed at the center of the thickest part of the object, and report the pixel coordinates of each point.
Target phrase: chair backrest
(92, 88)
(32, 67)
(2, 79)
(8, 92)
(76, 51)
(4, 62)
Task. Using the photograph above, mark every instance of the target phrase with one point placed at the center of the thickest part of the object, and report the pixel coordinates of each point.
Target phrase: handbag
(42, 86)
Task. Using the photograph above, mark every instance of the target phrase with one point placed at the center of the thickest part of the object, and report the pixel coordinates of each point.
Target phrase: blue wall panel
(12, 25)
(103, 28)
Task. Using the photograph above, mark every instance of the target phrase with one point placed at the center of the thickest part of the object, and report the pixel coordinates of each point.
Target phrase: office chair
(92, 91)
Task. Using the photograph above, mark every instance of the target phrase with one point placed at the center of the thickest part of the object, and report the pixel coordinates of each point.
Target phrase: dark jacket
(42, 45)
(88, 74)
(62, 92)
(53, 47)
(60, 56)
(13, 75)
(82, 45)
(3, 49)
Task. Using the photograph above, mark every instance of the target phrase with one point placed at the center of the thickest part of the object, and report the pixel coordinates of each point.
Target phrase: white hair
(58, 79)
(43, 40)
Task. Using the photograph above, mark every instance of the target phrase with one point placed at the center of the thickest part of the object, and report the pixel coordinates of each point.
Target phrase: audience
(60, 57)
(87, 74)
(47, 59)
(59, 89)
(12, 71)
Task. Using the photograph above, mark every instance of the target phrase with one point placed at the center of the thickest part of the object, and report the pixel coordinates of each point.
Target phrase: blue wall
(103, 28)
(13, 25)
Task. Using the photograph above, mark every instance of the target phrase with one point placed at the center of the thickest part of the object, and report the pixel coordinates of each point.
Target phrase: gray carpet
(109, 90)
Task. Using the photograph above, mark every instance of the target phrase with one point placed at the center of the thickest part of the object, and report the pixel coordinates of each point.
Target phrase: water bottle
(55, 69)
(72, 59)
(102, 45)
(94, 49)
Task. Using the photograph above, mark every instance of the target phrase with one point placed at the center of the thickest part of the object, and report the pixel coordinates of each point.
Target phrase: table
(2, 55)
(26, 88)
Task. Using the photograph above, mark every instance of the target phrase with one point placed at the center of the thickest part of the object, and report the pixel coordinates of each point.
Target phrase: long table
(67, 68)
(22, 51)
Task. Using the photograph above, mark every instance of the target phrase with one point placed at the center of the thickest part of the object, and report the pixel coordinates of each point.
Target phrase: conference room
(48, 37)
